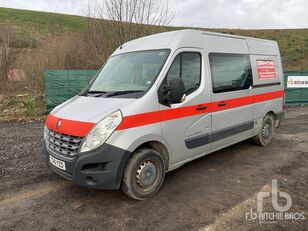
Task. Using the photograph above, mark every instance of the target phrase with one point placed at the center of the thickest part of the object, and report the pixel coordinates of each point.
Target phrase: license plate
(58, 163)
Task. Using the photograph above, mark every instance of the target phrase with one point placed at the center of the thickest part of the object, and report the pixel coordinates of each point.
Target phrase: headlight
(101, 131)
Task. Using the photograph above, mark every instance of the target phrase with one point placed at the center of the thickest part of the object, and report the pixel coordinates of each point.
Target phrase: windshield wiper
(121, 92)
(96, 93)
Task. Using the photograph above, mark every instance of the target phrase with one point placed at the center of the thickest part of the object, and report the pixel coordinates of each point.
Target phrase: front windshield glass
(133, 71)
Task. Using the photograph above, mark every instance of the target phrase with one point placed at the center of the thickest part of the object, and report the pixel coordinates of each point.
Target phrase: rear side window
(230, 72)
(186, 65)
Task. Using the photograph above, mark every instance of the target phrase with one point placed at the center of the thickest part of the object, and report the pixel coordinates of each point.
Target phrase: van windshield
(129, 72)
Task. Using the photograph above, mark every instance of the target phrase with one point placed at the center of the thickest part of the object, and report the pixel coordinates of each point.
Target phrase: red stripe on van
(176, 113)
(268, 96)
(231, 103)
(163, 115)
(77, 128)
(246, 100)
(69, 127)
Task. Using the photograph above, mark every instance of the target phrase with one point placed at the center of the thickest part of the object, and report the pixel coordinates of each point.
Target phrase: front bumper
(101, 168)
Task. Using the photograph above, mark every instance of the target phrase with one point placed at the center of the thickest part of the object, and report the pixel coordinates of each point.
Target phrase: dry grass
(22, 107)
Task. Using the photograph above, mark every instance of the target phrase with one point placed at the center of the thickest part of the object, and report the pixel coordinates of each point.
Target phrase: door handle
(221, 104)
(199, 108)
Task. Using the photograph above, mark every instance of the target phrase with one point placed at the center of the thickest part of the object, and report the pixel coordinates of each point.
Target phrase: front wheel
(266, 132)
(144, 174)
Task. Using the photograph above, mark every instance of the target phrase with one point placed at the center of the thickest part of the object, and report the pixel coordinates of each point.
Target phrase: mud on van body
(161, 101)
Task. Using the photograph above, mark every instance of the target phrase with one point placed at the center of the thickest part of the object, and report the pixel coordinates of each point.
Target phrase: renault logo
(58, 124)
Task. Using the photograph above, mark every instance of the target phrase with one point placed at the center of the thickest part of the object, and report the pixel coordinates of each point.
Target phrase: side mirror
(176, 90)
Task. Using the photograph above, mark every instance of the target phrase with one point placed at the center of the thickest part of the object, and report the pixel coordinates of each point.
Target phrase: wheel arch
(271, 112)
(157, 146)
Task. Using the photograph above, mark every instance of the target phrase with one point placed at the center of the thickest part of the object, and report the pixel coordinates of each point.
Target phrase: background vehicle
(161, 101)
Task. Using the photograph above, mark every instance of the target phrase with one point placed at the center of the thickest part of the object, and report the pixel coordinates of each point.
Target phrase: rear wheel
(267, 130)
(144, 174)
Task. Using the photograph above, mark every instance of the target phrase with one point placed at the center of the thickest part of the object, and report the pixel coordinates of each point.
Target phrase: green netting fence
(61, 85)
(295, 95)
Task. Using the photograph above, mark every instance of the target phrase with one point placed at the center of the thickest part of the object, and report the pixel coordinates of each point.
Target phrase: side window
(186, 65)
(230, 72)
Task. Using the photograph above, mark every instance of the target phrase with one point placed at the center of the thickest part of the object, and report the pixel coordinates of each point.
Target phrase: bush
(69, 51)
(30, 106)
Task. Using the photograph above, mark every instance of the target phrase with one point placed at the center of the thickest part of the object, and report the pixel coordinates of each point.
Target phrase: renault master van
(161, 101)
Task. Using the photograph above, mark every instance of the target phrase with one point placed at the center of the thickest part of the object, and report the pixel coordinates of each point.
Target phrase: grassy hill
(293, 43)
(42, 21)
(39, 41)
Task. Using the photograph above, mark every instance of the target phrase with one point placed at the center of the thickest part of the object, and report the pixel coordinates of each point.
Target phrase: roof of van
(190, 38)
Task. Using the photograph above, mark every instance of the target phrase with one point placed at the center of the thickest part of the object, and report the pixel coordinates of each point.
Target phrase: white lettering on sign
(266, 69)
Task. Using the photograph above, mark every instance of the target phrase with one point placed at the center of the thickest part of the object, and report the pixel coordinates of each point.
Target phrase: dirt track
(211, 193)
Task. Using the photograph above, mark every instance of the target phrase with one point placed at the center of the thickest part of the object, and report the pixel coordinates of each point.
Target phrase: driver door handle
(199, 108)
(221, 104)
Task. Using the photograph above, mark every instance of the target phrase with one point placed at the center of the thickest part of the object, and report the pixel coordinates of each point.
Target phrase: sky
(244, 14)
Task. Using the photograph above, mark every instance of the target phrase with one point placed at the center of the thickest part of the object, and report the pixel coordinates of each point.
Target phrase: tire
(266, 132)
(144, 174)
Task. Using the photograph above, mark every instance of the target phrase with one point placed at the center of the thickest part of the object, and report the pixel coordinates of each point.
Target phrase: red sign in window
(266, 69)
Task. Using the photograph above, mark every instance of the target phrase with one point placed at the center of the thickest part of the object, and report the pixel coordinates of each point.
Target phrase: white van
(161, 101)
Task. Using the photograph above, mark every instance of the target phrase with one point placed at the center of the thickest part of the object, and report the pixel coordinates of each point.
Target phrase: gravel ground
(212, 193)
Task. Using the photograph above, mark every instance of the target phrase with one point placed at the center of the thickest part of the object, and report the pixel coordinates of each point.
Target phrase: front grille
(62, 144)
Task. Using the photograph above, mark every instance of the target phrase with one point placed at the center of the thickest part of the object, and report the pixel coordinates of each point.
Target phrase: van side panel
(229, 124)
(272, 84)
(265, 58)
(221, 44)
(262, 47)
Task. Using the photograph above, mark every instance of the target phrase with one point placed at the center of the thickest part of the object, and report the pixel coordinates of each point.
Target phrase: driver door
(186, 126)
